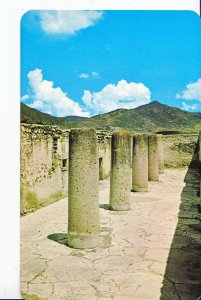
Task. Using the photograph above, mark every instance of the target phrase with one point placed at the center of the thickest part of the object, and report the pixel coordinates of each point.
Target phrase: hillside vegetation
(151, 117)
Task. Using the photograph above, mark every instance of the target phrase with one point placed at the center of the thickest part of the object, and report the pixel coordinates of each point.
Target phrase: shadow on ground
(105, 206)
(105, 237)
(182, 280)
(61, 238)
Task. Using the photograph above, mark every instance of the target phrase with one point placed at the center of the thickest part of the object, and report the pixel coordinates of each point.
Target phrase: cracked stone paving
(152, 251)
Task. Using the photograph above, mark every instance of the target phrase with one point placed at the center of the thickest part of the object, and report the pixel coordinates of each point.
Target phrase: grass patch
(31, 297)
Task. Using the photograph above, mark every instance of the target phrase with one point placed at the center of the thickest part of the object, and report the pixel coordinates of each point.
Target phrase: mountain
(150, 117)
(33, 116)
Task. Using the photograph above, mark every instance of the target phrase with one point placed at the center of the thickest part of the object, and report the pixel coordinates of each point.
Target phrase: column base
(119, 207)
(154, 176)
(83, 241)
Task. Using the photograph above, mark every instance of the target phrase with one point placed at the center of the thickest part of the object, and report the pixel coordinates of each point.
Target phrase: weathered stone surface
(83, 197)
(153, 158)
(120, 179)
(44, 150)
(160, 153)
(153, 253)
(179, 149)
(104, 146)
(140, 163)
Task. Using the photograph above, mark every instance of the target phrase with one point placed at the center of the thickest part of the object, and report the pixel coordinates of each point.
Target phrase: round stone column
(140, 163)
(153, 158)
(120, 177)
(160, 153)
(83, 199)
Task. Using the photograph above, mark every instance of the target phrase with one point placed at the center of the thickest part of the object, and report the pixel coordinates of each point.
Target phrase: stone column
(83, 202)
(153, 158)
(120, 178)
(160, 153)
(140, 163)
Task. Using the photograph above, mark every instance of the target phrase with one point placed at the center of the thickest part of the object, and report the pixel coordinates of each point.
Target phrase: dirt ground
(151, 252)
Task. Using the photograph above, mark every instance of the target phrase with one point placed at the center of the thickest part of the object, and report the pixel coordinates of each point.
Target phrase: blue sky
(91, 62)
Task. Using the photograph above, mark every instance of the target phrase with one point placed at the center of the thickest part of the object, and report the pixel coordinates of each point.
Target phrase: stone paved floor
(138, 257)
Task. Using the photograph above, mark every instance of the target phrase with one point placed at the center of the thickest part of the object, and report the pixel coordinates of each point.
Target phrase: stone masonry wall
(44, 165)
(104, 143)
(179, 149)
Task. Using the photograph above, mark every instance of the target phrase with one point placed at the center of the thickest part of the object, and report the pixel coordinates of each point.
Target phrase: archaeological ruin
(45, 161)
(140, 226)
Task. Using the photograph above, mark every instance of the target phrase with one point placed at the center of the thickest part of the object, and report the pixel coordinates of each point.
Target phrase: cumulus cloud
(48, 99)
(192, 91)
(95, 75)
(68, 22)
(84, 76)
(122, 95)
(189, 107)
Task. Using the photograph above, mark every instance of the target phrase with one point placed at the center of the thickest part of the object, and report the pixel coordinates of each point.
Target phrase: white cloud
(68, 22)
(95, 75)
(49, 99)
(188, 107)
(84, 76)
(122, 95)
(25, 97)
(192, 91)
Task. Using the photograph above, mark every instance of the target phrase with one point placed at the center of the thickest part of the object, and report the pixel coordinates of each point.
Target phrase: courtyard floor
(151, 252)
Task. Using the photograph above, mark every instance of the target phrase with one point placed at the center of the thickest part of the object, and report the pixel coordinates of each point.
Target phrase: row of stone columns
(142, 154)
(147, 162)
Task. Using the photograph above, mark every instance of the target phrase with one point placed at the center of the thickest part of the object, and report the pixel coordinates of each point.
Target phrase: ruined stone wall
(44, 165)
(179, 149)
(104, 145)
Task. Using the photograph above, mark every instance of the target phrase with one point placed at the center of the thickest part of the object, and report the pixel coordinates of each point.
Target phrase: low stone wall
(179, 150)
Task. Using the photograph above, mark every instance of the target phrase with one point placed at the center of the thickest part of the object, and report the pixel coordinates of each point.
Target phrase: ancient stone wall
(179, 149)
(104, 145)
(44, 165)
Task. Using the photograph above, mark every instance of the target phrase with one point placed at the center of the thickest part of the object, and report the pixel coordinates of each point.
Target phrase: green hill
(151, 117)
(33, 116)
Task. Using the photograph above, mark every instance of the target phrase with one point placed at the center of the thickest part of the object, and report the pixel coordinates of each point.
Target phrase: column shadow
(182, 280)
(104, 206)
(61, 238)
